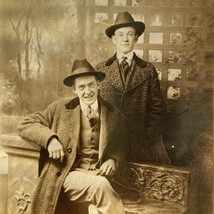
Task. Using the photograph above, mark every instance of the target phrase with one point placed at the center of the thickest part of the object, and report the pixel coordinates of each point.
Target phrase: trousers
(85, 187)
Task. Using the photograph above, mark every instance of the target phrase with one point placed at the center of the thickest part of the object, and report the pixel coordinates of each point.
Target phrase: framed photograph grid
(163, 39)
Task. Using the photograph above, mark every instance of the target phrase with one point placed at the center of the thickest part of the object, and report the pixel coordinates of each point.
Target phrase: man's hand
(108, 168)
(55, 150)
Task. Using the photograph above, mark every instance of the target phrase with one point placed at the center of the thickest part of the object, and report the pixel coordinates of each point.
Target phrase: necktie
(125, 67)
(92, 116)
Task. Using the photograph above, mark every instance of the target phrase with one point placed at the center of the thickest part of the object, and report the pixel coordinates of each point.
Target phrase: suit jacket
(141, 102)
(62, 120)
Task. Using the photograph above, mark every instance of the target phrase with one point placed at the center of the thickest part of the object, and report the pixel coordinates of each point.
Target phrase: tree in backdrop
(39, 44)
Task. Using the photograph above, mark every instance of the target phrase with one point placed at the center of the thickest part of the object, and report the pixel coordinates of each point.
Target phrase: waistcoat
(89, 143)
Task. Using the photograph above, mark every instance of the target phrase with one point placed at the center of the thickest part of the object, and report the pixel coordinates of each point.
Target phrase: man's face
(87, 89)
(124, 39)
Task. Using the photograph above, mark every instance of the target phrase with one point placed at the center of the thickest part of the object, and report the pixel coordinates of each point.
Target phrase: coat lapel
(75, 132)
(115, 76)
(74, 124)
(137, 76)
(106, 123)
(104, 129)
(113, 73)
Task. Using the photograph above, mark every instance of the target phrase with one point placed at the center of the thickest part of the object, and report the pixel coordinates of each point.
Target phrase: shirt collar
(94, 106)
(121, 55)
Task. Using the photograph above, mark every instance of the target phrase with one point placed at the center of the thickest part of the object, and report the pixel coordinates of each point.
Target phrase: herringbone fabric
(141, 102)
(63, 117)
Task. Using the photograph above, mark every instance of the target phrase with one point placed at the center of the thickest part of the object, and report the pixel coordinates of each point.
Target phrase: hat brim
(139, 27)
(68, 81)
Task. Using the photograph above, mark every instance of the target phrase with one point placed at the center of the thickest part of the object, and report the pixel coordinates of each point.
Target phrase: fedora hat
(82, 68)
(124, 19)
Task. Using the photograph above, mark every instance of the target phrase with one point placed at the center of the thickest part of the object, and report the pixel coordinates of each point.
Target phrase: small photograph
(156, 38)
(138, 17)
(175, 57)
(155, 55)
(176, 38)
(156, 20)
(173, 92)
(195, 19)
(139, 53)
(120, 2)
(101, 2)
(99, 34)
(101, 17)
(174, 74)
(159, 71)
(176, 19)
(192, 74)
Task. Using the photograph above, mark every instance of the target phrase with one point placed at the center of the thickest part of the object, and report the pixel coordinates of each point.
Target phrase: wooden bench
(161, 189)
(152, 189)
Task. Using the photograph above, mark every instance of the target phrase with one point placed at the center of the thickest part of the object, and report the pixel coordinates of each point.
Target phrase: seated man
(83, 139)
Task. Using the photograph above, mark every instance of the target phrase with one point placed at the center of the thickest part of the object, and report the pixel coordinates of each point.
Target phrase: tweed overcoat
(62, 120)
(141, 102)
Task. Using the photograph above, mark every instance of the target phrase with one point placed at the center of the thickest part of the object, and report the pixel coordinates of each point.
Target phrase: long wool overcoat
(141, 102)
(62, 120)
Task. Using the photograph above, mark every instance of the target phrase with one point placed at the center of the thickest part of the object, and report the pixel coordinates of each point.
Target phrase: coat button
(69, 149)
(58, 173)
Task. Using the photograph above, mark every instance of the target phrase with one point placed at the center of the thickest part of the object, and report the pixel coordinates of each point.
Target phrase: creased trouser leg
(84, 187)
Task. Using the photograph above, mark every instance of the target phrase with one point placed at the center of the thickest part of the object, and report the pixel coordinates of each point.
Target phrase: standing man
(83, 139)
(132, 85)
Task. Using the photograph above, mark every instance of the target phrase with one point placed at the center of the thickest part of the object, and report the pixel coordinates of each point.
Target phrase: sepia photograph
(174, 74)
(106, 107)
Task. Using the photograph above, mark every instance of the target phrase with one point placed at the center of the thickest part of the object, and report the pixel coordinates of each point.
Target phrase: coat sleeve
(36, 127)
(156, 105)
(117, 149)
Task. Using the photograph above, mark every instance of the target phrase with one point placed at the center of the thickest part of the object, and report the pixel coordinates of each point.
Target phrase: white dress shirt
(129, 56)
(94, 107)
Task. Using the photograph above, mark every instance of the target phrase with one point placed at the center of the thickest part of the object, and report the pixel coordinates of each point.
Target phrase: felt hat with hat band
(124, 19)
(82, 68)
